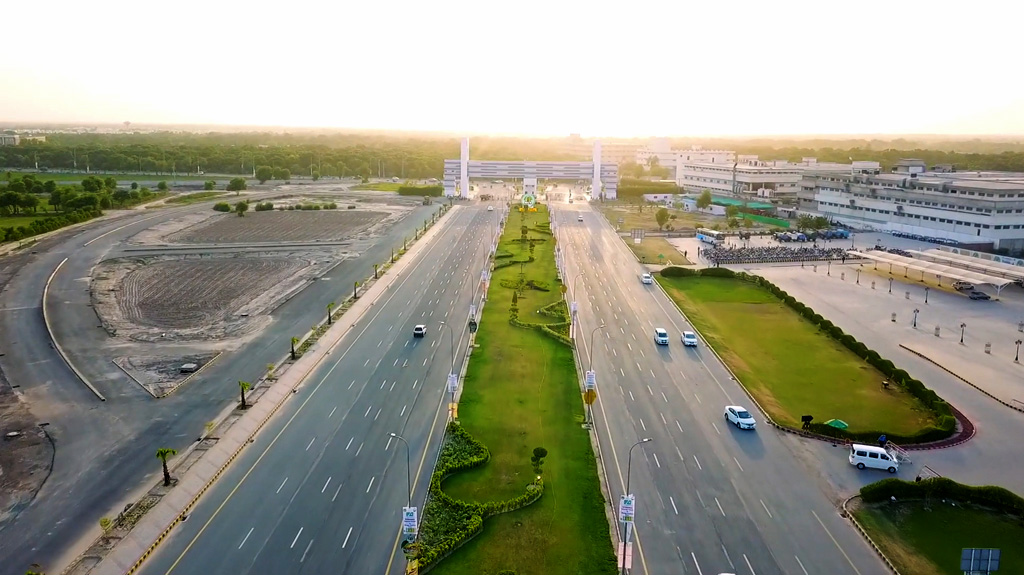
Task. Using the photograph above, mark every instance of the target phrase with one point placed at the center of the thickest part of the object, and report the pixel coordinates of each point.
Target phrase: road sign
(409, 523)
(626, 507)
(453, 383)
(589, 397)
(590, 381)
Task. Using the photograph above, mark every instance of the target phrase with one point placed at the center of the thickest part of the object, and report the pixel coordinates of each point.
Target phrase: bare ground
(26, 454)
(161, 375)
(172, 300)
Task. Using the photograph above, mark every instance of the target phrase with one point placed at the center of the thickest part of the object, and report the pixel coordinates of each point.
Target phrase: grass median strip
(788, 364)
(521, 392)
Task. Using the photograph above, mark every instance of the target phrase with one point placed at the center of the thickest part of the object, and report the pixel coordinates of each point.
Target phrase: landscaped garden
(796, 363)
(521, 393)
(923, 531)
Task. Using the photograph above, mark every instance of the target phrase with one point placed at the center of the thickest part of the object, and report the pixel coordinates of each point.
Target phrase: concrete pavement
(710, 498)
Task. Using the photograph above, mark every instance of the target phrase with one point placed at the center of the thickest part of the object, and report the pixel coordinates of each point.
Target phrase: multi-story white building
(749, 177)
(9, 139)
(668, 158)
(612, 151)
(974, 208)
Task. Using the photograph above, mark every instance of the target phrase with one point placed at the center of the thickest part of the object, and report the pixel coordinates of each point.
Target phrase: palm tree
(162, 454)
(295, 340)
(330, 307)
(244, 386)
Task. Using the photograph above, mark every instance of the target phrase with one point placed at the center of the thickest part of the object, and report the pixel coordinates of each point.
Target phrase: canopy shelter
(940, 270)
(964, 261)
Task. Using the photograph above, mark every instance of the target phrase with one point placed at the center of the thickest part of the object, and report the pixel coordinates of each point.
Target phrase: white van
(874, 457)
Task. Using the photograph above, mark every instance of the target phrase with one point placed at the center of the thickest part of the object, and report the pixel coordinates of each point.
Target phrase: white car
(740, 417)
(419, 331)
(689, 339)
(490, 208)
(579, 218)
(660, 336)
(647, 278)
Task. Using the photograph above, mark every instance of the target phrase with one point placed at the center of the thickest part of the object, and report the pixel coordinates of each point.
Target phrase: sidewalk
(153, 528)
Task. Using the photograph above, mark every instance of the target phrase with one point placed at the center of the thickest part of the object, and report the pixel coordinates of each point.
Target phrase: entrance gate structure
(604, 178)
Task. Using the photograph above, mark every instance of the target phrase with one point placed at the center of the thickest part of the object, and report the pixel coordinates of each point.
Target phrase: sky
(547, 68)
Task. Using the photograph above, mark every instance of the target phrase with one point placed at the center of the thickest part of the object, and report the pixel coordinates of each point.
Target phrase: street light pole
(451, 339)
(1016, 358)
(572, 310)
(629, 467)
(916, 311)
(408, 463)
(963, 327)
(590, 355)
(926, 294)
(890, 285)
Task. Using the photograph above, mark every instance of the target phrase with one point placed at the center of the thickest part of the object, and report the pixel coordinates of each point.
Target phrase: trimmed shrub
(222, 207)
(717, 273)
(679, 272)
(990, 496)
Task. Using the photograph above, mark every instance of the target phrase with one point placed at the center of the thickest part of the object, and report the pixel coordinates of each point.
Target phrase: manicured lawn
(650, 249)
(379, 186)
(194, 198)
(521, 392)
(787, 364)
(18, 221)
(924, 540)
(645, 220)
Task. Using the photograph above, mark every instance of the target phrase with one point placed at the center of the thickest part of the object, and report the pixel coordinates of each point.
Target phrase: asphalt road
(105, 450)
(710, 498)
(321, 489)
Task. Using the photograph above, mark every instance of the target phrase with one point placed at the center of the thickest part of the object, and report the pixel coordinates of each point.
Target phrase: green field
(379, 186)
(787, 364)
(650, 249)
(632, 218)
(194, 198)
(521, 392)
(77, 178)
(18, 221)
(925, 539)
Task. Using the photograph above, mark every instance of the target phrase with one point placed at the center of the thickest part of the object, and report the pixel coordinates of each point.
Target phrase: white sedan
(689, 339)
(739, 417)
(647, 278)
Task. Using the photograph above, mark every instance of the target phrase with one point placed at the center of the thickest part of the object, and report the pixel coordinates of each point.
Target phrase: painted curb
(864, 534)
(53, 340)
(960, 377)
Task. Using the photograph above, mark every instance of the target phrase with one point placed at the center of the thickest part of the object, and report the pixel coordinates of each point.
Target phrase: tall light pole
(629, 467)
(963, 327)
(451, 373)
(590, 355)
(926, 294)
(408, 463)
(916, 311)
(572, 309)
(1016, 358)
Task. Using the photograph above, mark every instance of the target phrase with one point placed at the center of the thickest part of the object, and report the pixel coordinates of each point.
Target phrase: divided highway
(710, 498)
(322, 487)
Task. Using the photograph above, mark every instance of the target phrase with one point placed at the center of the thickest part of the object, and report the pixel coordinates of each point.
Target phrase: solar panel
(974, 560)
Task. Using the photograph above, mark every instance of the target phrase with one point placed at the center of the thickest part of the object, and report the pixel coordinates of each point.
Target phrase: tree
(661, 216)
(316, 176)
(264, 173)
(282, 174)
(747, 223)
(804, 222)
(17, 186)
(56, 198)
(295, 340)
(731, 211)
(539, 453)
(110, 183)
(236, 185)
(162, 454)
(121, 196)
(162, 186)
(135, 185)
(209, 185)
(241, 208)
(733, 223)
(244, 386)
(704, 200)
(49, 186)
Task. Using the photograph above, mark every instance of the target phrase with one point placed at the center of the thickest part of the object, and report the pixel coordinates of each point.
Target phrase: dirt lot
(280, 226)
(160, 375)
(170, 299)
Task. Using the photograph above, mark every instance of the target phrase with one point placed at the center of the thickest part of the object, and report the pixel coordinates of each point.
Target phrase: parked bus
(710, 236)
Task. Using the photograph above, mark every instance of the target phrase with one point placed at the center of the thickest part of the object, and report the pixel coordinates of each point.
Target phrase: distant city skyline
(541, 69)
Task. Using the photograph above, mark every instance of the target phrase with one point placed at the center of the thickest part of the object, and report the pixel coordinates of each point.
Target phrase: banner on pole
(453, 383)
(626, 508)
(409, 523)
(591, 380)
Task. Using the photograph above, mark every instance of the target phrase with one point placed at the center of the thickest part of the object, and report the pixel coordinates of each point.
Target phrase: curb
(53, 340)
(864, 534)
(920, 447)
(191, 376)
(960, 377)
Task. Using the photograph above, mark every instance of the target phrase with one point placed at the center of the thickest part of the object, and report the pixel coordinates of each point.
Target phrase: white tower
(595, 190)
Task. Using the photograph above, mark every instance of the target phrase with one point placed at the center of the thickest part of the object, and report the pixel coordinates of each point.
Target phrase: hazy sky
(615, 68)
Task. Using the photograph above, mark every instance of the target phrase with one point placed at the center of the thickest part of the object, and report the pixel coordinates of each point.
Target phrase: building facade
(9, 139)
(973, 208)
(748, 177)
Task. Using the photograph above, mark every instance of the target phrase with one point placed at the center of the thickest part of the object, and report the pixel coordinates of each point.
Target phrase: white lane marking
(798, 562)
(345, 542)
(282, 485)
(631, 396)
(246, 537)
(378, 414)
(306, 551)
(622, 392)
(663, 420)
(702, 504)
(389, 327)
(383, 383)
(371, 483)
(332, 411)
(392, 388)
(415, 383)
(653, 376)
(310, 443)
(365, 363)
(634, 336)
(642, 425)
(699, 572)
(403, 410)
(388, 446)
(656, 460)
(679, 426)
(673, 502)
(642, 354)
(326, 484)
(697, 462)
(629, 345)
(749, 566)
(358, 450)
(680, 454)
(766, 509)
(395, 364)
(424, 363)
(665, 397)
(732, 567)
(855, 570)
(698, 398)
(296, 538)
(336, 492)
(615, 353)
(349, 443)
(622, 372)
(368, 408)
(623, 331)
(719, 507)
(649, 390)
(738, 464)
(682, 374)
(716, 428)
(351, 384)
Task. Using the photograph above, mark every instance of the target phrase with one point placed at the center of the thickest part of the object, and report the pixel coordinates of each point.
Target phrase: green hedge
(41, 226)
(558, 331)
(434, 191)
(944, 427)
(990, 496)
(511, 262)
(448, 522)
